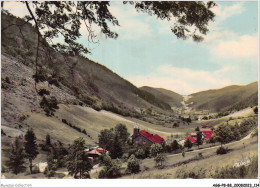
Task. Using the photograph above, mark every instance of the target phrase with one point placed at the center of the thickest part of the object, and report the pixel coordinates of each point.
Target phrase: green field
(94, 121)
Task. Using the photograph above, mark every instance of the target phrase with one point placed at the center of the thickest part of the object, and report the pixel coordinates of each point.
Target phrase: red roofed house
(207, 134)
(144, 138)
(191, 139)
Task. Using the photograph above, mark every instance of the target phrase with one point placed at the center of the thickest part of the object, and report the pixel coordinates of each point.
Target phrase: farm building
(206, 134)
(96, 153)
(144, 138)
(191, 139)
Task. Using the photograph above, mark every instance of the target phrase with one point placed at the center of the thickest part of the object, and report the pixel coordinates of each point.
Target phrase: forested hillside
(92, 83)
(235, 97)
(172, 98)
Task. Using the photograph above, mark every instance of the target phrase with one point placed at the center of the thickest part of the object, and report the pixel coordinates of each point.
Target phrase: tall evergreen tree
(116, 150)
(175, 145)
(121, 132)
(77, 160)
(48, 140)
(16, 159)
(199, 140)
(106, 139)
(30, 147)
(188, 144)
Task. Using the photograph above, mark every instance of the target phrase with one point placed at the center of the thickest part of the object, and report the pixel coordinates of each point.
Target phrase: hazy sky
(147, 54)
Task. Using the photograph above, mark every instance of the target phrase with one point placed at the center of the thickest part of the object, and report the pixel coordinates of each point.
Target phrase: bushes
(194, 174)
(43, 91)
(156, 149)
(232, 172)
(175, 124)
(160, 159)
(49, 105)
(222, 150)
(5, 82)
(140, 153)
(133, 164)
(74, 127)
(40, 77)
(111, 168)
(246, 125)
(87, 99)
(53, 81)
(2, 133)
(65, 121)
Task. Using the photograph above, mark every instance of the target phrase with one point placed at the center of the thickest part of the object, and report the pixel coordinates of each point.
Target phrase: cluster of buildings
(144, 138)
(207, 132)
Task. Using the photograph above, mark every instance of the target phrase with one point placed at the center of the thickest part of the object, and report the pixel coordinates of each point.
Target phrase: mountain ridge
(172, 98)
(228, 98)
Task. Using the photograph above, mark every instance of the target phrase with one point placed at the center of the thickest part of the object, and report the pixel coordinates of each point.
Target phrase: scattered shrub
(2, 132)
(175, 124)
(5, 83)
(111, 168)
(53, 81)
(133, 164)
(222, 150)
(23, 117)
(64, 121)
(84, 132)
(43, 91)
(49, 105)
(194, 174)
(7, 80)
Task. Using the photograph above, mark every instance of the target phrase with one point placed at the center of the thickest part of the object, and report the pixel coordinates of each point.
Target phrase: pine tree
(77, 160)
(199, 140)
(197, 129)
(188, 144)
(116, 150)
(48, 140)
(16, 160)
(30, 147)
(175, 145)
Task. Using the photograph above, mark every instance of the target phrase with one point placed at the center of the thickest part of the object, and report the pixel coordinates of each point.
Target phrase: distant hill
(169, 97)
(234, 97)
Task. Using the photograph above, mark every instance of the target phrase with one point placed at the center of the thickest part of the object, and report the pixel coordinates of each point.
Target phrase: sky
(147, 53)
